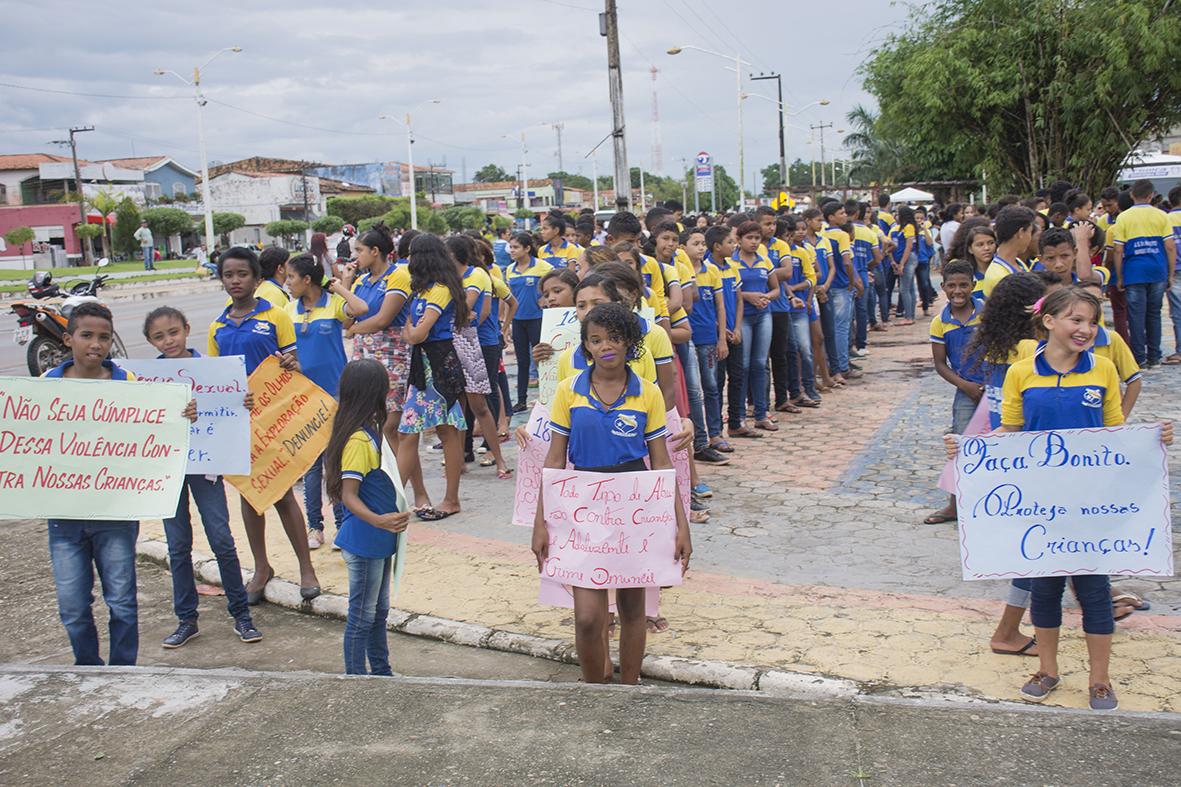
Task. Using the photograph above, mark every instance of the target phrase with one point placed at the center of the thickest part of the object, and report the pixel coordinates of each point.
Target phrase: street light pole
(86, 250)
(821, 126)
(200, 100)
(408, 123)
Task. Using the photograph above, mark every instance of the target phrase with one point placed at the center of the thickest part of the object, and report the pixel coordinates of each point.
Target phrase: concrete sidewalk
(96, 726)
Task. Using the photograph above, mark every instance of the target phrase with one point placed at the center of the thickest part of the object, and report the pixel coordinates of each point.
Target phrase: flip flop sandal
(504, 475)
(1121, 612)
(722, 446)
(487, 461)
(806, 403)
(433, 515)
(657, 625)
(939, 519)
(787, 407)
(1132, 600)
(1024, 651)
(744, 432)
(1172, 360)
(767, 426)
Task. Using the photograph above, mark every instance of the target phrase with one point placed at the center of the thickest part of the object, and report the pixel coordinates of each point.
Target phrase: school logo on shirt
(1093, 397)
(262, 328)
(625, 425)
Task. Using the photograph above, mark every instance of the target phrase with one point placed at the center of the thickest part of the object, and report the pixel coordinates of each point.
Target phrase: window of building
(178, 189)
(151, 191)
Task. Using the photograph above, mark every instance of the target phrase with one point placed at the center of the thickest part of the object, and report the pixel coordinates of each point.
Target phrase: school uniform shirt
(602, 434)
(925, 248)
(1142, 232)
(731, 287)
(478, 281)
(396, 282)
(672, 276)
(117, 372)
(1107, 345)
(652, 272)
(1104, 274)
(839, 245)
(799, 267)
(820, 261)
(1175, 220)
(561, 254)
(657, 350)
(319, 340)
(754, 279)
(900, 235)
(488, 331)
(886, 221)
(372, 288)
(437, 299)
(954, 335)
(778, 251)
(704, 317)
(865, 241)
(526, 287)
(1036, 397)
(260, 334)
(998, 269)
(272, 291)
(361, 461)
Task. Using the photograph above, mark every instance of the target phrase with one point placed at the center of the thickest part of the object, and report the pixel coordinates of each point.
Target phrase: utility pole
(595, 178)
(558, 130)
(685, 183)
(643, 197)
(86, 255)
(657, 152)
(784, 180)
(431, 175)
(609, 27)
(821, 126)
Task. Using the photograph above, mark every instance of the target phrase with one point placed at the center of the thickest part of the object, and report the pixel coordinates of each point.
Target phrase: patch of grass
(8, 289)
(64, 274)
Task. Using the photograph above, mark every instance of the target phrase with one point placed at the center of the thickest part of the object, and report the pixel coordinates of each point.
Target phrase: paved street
(815, 559)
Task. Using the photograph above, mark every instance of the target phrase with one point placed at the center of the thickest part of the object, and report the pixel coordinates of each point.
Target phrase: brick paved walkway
(815, 558)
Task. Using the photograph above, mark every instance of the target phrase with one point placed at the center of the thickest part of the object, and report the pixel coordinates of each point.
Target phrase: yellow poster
(289, 428)
(91, 449)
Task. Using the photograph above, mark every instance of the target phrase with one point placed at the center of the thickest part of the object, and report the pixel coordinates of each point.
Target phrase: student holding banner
(168, 331)
(78, 547)
(255, 329)
(608, 420)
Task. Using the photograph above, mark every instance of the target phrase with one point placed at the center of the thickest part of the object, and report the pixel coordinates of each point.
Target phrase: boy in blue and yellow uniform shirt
(557, 251)
(1144, 258)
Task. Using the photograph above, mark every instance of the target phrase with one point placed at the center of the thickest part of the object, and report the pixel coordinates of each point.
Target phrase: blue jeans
(687, 354)
(76, 549)
(1144, 320)
(861, 306)
(756, 343)
(842, 317)
(927, 293)
(801, 374)
(828, 329)
(1093, 592)
(369, 607)
(879, 293)
(908, 294)
(313, 500)
(149, 258)
(731, 374)
(707, 362)
(1175, 310)
(210, 497)
(1019, 592)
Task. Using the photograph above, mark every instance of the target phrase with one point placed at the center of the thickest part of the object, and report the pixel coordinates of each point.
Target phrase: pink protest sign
(610, 530)
(680, 460)
(530, 460)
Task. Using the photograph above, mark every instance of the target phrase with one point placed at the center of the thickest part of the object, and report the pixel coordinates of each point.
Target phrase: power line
(738, 41)
(91, 95)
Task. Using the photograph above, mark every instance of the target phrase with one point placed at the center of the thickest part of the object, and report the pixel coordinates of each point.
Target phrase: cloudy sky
(311, 80)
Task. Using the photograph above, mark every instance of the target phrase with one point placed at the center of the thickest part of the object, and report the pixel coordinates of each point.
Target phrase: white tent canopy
(910, 194)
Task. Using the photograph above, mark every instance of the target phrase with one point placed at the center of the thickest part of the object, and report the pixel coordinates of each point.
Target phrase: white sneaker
(315, 539)
(859, 353)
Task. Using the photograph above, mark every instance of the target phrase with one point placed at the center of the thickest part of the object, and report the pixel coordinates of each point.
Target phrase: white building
(504, 196)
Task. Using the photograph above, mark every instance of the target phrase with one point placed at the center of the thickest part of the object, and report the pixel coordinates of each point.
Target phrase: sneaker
(695, 504)
(858, 353)
(184, 632)
(1039, 687)
(315, 538)
(1103, 697)
(246, 630)
(853, 373)
(703, 491)
(519, 407)
(710, 456)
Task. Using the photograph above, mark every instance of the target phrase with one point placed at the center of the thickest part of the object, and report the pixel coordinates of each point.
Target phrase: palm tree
(105, 203)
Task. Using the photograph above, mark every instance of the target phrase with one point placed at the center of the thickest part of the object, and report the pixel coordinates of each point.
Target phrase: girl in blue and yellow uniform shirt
(439, 308)
(584, 409)
(1052, 390)
(369, 533)
(321, 312)
(523, 277)
(760, 283)
(257, 329)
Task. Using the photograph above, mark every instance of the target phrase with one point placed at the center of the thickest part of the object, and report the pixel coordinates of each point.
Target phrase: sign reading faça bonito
(91, 449)
(289, 428)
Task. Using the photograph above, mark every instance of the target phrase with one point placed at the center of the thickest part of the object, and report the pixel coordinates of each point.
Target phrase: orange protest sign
(289, 427)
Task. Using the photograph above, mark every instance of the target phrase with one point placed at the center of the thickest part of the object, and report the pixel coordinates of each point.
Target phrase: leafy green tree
(463, 217)
(126, 223)
(285, 229)
(490, 173)
(20, 236)
(224, 222)
(354, 209)
(501, 222)
(572, 180)
(1029, 91)
(328, 224)
(166, 222)
(104, 203)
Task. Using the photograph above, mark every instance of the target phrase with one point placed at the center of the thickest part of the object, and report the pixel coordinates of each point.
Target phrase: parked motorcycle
(41, 322)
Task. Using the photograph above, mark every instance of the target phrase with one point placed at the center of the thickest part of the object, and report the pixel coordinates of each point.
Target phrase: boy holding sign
(607, 420)
(78, 547)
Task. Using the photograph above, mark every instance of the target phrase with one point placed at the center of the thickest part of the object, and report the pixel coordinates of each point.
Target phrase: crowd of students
(729, 322)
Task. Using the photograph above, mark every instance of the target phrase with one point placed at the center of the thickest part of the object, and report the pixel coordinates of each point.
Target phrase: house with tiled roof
(164, 177)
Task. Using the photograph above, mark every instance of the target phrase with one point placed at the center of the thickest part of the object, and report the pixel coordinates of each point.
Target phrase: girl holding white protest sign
(608, 420)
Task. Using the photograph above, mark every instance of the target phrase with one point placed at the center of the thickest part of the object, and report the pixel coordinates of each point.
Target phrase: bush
(354, 210)
(328, 224)
(285, 229)
(224, 222)
(166, 222)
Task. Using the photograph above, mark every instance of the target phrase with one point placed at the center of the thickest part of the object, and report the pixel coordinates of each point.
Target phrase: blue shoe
(246, 630)
(703, 490)
(1039, 687)
(186, 631)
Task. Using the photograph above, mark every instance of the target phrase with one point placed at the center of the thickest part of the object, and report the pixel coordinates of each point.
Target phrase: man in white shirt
(953, 214)
(146, 245)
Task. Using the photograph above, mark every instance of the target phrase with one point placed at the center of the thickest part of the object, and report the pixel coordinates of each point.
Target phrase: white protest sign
(560, 329)
(219, 442)
(1074, 501)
